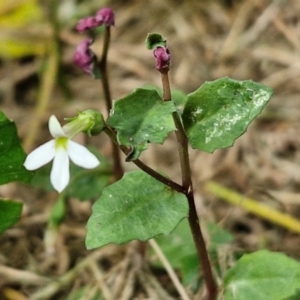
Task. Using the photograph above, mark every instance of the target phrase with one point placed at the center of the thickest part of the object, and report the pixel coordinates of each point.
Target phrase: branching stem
(144, 167)
(186, 187)
(188, 191)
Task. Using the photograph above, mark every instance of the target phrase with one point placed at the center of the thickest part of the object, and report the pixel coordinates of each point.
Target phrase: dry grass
(258, 40)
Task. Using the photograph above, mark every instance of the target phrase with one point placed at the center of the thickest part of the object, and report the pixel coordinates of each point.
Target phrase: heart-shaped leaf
(135, 207)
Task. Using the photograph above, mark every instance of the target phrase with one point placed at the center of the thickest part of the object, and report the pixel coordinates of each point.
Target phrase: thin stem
(103, 69)
(180, 136)
(158, 176)
(144, 167)
(188, 191)
(118, 169)
(201, 249)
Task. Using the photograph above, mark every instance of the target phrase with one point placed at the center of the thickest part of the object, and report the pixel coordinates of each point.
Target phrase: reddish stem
(188, 191)
(117, 165)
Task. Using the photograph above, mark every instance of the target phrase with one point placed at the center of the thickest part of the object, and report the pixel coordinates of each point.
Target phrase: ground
(258, 40)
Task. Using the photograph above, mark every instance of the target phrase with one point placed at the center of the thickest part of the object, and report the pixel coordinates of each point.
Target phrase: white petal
(40, 156)
(60, 173)
(55, 127)
(81, 156)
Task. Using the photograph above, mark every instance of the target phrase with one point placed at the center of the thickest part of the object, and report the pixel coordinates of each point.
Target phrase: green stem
(144, 167)
(117, 165)
(47, 83)
(61, 79)
(188, 191)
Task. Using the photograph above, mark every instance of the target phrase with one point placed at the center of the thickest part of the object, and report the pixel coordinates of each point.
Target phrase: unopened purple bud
(106, 16)
(162, 56)
(87, 23)
(84, 57)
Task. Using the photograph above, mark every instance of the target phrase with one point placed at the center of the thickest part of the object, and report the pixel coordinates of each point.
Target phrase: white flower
(60, 149)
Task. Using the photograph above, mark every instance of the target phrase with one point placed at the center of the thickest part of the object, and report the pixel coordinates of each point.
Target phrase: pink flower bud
(162, 57)
(106, 16)
(87, 23)
(84, 57)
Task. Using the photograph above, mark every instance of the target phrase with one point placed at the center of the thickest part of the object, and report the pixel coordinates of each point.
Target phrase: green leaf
(178, 96)
(220, 111)
(296, 295)
(262, 275)
(88, 184)
(218, 236)
(180, 250)
(41, 178)
(141, 118)
(155, 40)
(180, 99)
(136, 207)
(12, 156)
(10, 213)
(178, 244)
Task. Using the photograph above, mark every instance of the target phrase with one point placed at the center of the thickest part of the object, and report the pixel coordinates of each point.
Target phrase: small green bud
(98, 122)
(89, 121)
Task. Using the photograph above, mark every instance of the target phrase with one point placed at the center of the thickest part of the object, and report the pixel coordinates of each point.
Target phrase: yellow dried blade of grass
(19, 15)
(21, 29)
(7, 6)
(12, 294)
(253, 206)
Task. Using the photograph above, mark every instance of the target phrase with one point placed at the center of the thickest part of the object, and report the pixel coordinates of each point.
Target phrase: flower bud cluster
(161, 51)
(84, 57)
(104, 16)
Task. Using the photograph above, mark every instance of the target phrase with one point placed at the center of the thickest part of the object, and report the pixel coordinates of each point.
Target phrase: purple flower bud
(162, 57)
(87, 23)
(106, 16)
(84, 57)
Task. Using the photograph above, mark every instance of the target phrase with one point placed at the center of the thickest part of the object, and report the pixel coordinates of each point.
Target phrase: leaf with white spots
(12, 156)
(141, 118)
(135, 207)
(220, 111)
